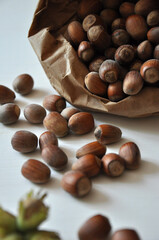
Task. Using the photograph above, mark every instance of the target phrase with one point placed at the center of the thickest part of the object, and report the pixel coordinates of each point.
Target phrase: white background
(129, 201)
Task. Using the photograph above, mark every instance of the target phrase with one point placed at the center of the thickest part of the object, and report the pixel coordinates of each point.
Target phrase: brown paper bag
(66, 72)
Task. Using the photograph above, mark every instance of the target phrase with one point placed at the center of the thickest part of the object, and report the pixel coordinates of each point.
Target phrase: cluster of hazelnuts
(118, 42)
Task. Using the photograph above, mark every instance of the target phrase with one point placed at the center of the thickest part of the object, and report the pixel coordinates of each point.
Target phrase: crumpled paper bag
(48, 37)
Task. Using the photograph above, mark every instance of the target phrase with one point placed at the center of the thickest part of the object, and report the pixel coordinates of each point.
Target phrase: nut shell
(23, 84)
(24, 141)
(125, 234)
(36, 171)
(9, 113)
(115, 91)
(109, 71)
(81, 123)
(6, 95)
(107, 134)
(153, 35)
(68, 112)
(150, 71)
(76, 32)
(95, 148)
(76, 183)
(47, 138)
(54, 102)
(133, 83)
(88, 7)
(96, 227)
(34, 113)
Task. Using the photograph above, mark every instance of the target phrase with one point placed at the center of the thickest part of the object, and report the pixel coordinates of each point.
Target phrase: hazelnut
(131, 155)
(98, 36)
(94, 84)
(46, 139)
(95, 148)
(36, 171)
(85, 51)
(150, 71)
(89, 164)
(125, 234)
(107, 134)
(114, 4)
(54, 102)
(24, 141)
(115, 91)
(54, 157)
(95, 64)
(108, 16)
(113, 165)
(156, 52)
(6, 95)
(9, 113)
(90, 21)
(136, 26)
(88, 7)
(76, 32)
(125, 54)
(153, 18)
(57, 124)
(109, 53)
(76, 183)
(118, 23)
(23, 84)
(136, 65)
(109, 71)
(133, 83)
(96, 227)
(68, 112)
(120, 37)
(126, 9)
(81, 123)
(153, 35)
(34, 113)
(144, 7)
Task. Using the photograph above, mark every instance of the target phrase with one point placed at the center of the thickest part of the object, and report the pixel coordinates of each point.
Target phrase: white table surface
(131, 200)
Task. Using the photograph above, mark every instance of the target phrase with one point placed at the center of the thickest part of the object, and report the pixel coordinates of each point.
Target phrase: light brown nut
(76, 183)
(34, 113)
(54, 102)
(68, 112)
(126, 234)
(47, 138)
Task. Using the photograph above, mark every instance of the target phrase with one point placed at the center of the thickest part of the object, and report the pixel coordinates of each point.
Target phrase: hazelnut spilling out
(54, 102)
(76, 183)
(23, 84)
(125, 234)
(9, 113)
(34, 113)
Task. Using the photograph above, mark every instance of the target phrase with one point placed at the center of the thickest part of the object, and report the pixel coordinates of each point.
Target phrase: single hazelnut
(85, 51)
(136, 26)
(23, 84)
(68, 112)
(36, 171)
(108, 16)
(120, 37)
(118, 23)
(125, 54)
(54, 157)
(57, 124)
(98, 36)
(136, 65)
(96, 227)
(113, 165)
(46, 139)
(90, 21)
(109, 53)
(9, 113)
(109, 71)
(54, 102)
(107, 134)
(24, 141)
(95, 64)
(76, 32)
(153, 35)
(133, 83)
(115, 91)
(150, 71)
(34, 113)
(144, 7)
(88, 7)
(81, 123)
(153, 18)
(89, 164)
(76, 183)
(131, 155)
(94, 84)
(95, 148)
(126, 9)
(125, 234)
(6, 95)
(114, 4)
(156, 52)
